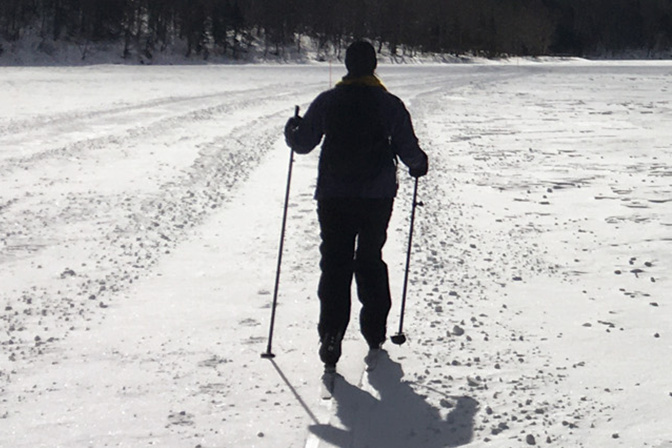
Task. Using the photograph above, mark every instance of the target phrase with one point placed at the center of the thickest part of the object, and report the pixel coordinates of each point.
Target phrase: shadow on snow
(398, 419)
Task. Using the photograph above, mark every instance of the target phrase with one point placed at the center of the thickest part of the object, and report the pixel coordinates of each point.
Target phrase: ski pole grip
(296, 111)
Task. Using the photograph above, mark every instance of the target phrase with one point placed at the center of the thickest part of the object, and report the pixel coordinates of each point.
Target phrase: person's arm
(305, 133)
(405, 143)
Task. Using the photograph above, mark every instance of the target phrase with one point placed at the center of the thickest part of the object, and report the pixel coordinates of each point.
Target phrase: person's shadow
(399, 419)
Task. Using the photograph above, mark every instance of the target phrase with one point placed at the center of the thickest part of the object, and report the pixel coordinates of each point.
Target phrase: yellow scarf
(367, 80)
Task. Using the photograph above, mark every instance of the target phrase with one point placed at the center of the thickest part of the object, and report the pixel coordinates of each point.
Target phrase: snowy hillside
(140, 212)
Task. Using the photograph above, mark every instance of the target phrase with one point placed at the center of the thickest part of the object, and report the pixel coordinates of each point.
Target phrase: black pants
(353, 233)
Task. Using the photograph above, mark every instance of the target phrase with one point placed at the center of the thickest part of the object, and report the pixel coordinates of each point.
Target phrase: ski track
(488, 243)
(155, 217)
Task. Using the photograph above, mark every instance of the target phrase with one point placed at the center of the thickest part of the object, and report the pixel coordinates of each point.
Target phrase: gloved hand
(290, 128)
(419, 171)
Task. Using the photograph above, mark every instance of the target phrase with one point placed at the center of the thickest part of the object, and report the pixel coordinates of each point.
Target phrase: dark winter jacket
(365, 129)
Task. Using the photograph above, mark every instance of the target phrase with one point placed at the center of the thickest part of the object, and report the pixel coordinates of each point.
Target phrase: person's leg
(371, 274)
(338, 232)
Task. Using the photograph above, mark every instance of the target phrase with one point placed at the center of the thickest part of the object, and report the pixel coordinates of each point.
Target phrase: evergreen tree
(492, 27)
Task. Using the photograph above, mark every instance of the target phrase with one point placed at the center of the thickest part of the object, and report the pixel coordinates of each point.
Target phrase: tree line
(228, 27)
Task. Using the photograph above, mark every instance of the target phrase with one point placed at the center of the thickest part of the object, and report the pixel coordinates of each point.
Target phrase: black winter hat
(360, 59)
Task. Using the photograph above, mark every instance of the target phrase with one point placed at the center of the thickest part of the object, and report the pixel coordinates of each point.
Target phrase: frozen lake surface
(140, 213)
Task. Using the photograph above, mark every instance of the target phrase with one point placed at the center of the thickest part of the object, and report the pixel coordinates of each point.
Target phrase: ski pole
(400, 338)
(269, 353)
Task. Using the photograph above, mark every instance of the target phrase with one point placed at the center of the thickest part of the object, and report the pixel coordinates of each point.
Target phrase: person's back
(365, 129)
(356, 134)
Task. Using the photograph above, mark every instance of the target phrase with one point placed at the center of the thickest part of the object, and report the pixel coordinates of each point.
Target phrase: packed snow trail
(140, 223)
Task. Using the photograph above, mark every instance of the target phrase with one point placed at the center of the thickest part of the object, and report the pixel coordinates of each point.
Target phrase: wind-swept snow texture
(140, 213)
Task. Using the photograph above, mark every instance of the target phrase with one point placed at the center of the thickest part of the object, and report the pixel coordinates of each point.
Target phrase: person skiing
(365, 130)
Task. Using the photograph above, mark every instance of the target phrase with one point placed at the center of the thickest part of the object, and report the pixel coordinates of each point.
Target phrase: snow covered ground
(140, 212)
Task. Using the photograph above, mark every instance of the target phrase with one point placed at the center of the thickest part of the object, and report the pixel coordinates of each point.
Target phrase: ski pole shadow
(294, 392)
(400, 418)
